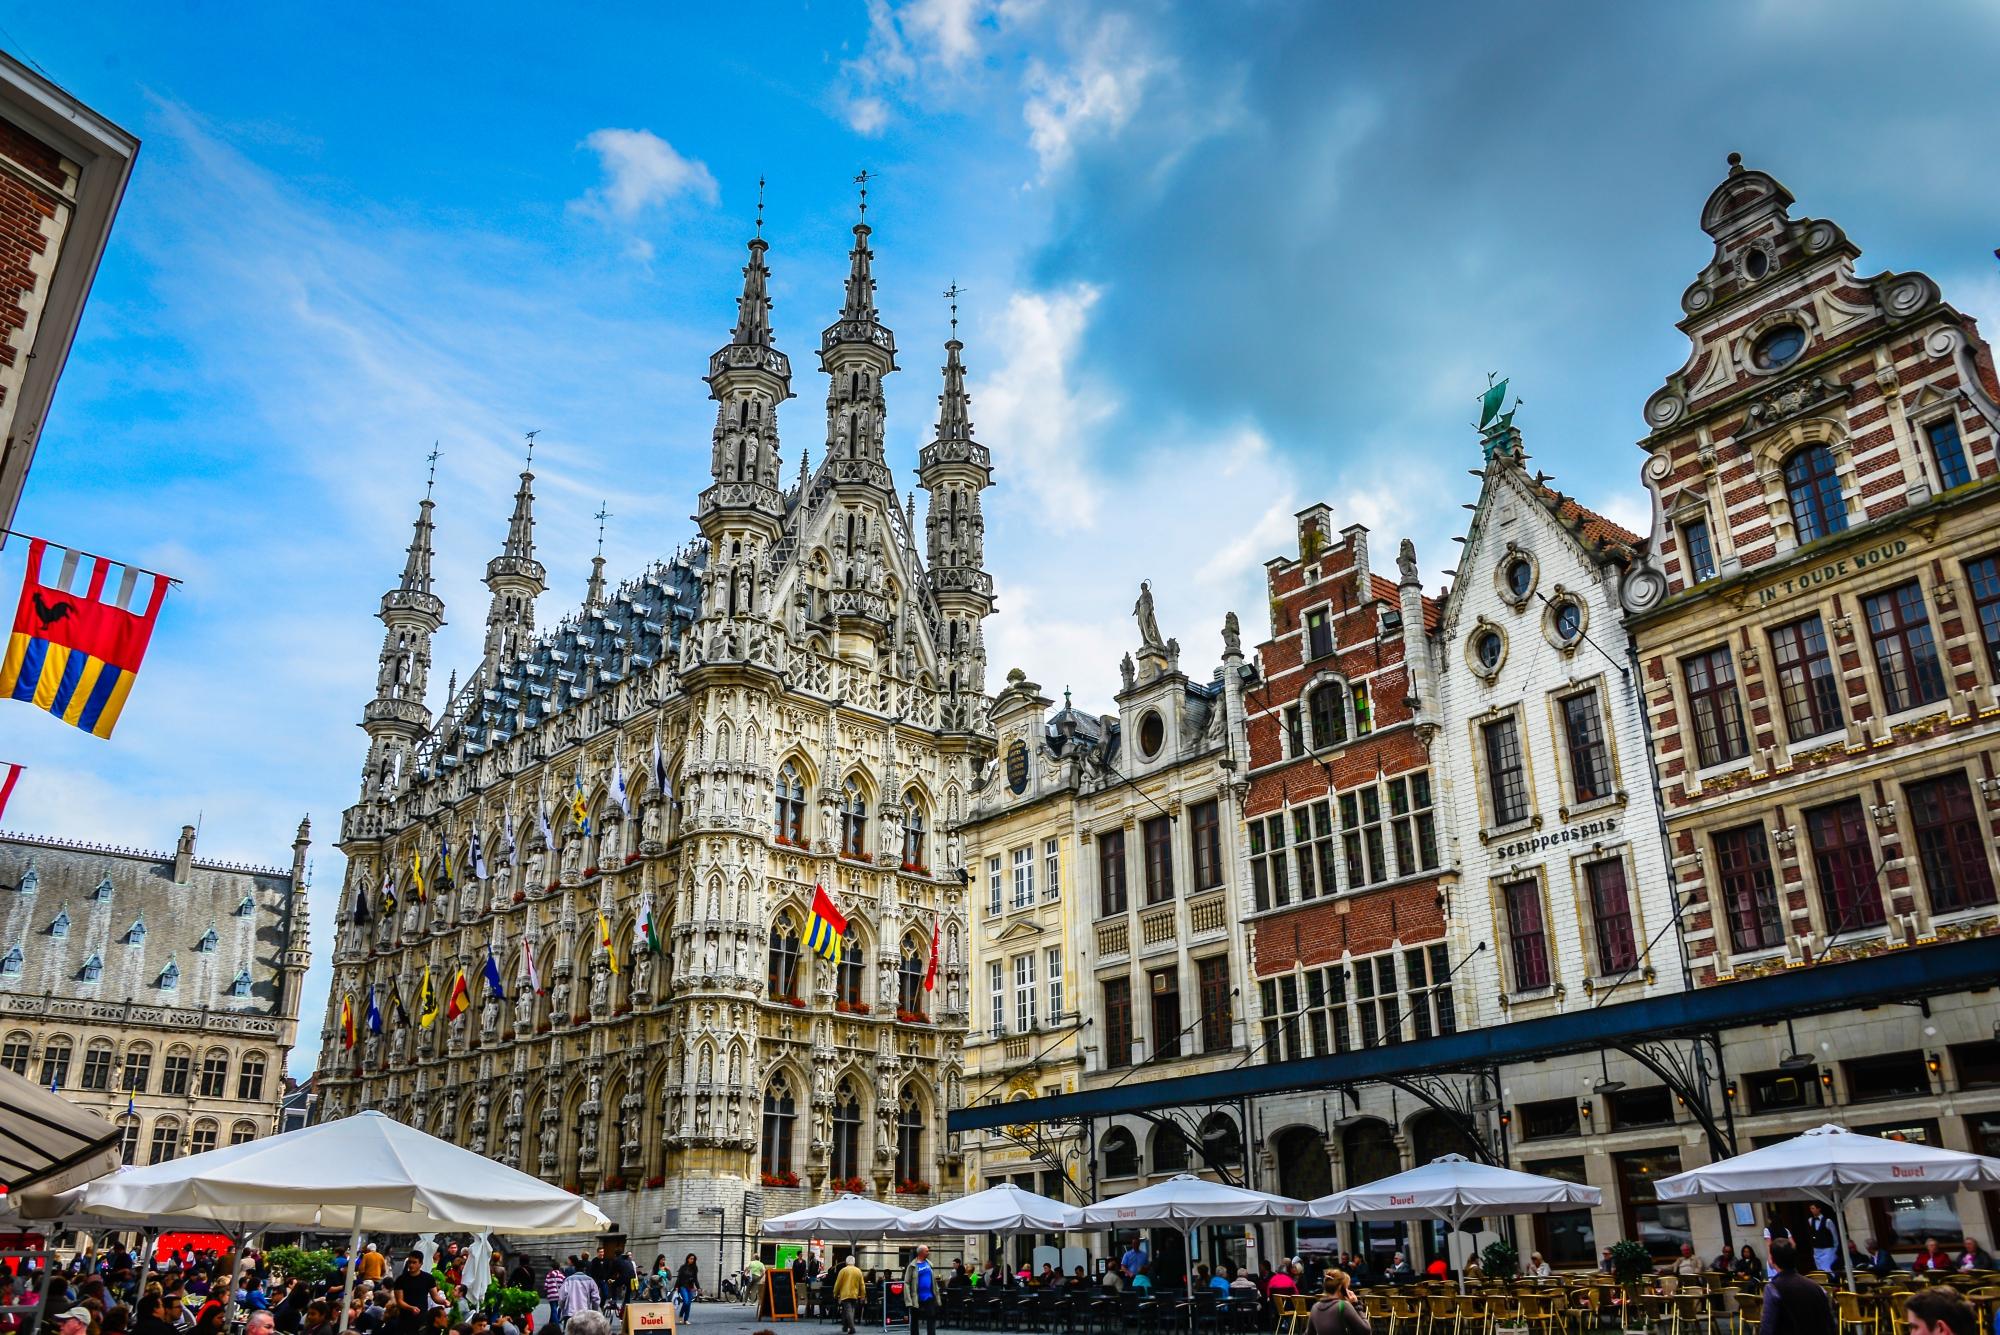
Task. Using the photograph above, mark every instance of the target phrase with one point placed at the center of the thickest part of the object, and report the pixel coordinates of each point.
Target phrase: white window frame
(1055, 982)
(994, 903)
(1051, 870)
(996, 983)
(1024, 992)
(1024, 876)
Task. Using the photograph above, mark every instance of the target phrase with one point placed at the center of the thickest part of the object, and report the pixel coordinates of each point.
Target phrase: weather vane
(603, 513)
(861, 179)
(760, 207)
(431, 480)
(952, 294)
(531, 447)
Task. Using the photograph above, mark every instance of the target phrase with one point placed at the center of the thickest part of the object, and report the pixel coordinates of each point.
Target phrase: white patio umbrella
(848, 1215)
(367, 1173)
(1454, 1188)
(1004, 1208)
(47, 1143)
(1183, 1201)
(1833, 1166)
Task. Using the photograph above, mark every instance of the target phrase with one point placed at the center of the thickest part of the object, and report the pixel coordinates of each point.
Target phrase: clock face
(1017, 767)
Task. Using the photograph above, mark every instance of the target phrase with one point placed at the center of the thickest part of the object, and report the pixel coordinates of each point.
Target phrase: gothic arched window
(780, 1113)
(55, 1063)
(1170, 1150)
(915, 854)
(850, 984)
(854, 822)
(783, 973)
(789, 827)
(910, 978)
(1812, 485)
(909, 1139)
(97, 1065)
(846, 1154)
(1326, 708)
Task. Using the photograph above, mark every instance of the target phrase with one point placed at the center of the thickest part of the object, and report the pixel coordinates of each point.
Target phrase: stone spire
(856, 351)
(411, 614)
(748, 378)
(593, 593)
(955, 469)
(514, 577)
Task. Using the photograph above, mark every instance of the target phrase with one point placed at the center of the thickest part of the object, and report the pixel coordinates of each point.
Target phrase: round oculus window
(1756, 263)
(1569, 622)
(1152, 732)
(1487, 648)
(1520, 577)
(1778, 347)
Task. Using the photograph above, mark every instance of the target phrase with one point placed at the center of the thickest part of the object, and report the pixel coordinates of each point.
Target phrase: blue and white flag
(618, 787)
(477, 856)
(492, 972)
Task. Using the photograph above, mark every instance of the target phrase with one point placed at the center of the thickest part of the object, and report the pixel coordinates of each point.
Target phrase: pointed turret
(411, 613)
(593, 592)
(856, 351)
(515, 579)
(748, 378)
(955, 469)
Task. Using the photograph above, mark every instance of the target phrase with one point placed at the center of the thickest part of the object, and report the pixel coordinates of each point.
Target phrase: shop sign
(1568, 834)
(1829, 571)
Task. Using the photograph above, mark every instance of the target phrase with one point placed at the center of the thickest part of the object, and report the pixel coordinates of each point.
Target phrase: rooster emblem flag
(75, 654)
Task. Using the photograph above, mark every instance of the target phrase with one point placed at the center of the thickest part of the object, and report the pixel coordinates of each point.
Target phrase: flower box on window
(917, 867)
(788, 1178)
(520, 896)
(653, 1182)
(799, 1002)
(853, 1007)
(613, 1182)
(853, 1184)
(911, 1186)
(912, 1017)
(589, 872)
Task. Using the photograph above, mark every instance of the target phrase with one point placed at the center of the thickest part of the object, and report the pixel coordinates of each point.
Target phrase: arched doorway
(1368, 1152)
(1433, 1135)
(1304, 1172)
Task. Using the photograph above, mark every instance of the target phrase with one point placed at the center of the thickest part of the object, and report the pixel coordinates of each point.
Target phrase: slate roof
(65, 904)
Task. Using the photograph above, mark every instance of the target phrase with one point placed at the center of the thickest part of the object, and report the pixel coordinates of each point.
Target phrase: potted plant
(1500, 1260)
(1631, 1266)
(515, 1303)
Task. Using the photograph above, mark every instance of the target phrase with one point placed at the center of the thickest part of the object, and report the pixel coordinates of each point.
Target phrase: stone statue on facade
(1232, 636)
(1406, 562)
(600, 991)
(1149, 625)
(1128, 675)
(642, 973)
(559, 1011)
(524, 1009)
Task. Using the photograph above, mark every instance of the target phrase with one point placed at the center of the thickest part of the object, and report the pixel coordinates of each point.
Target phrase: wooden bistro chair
(1852, 1309)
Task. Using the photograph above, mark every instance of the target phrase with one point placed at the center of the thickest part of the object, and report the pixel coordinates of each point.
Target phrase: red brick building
(1342, 840)
(65, 172)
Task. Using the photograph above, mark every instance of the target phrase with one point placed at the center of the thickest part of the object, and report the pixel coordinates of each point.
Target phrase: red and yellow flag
(347, 1022)
(460, 1000)
(75, 653)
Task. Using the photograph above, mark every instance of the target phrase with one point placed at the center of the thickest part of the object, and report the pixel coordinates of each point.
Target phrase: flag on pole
(446, 880)
(507, 832)
(11, 773)
(460, 1000)
(427, 1001)
(417, 873)
(347, 1021)
(528, 966)
(361, 904)
(396, 1000)
(618, 794)
(828, 927)
(579, 810)
(476, 858)
(492, 973)
(72, 652)
(374, 1012)
(930, 974)
(649, 931)
(660, 784)
(604, 939)
(387, 899)
(542, 819)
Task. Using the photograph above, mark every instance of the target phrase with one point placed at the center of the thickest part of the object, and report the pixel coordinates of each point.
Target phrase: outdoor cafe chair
(1853, 1309)
(1438, 1307)
(1405, 1317)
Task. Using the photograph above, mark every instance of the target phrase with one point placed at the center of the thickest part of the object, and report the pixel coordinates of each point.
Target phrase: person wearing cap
(76, 1321)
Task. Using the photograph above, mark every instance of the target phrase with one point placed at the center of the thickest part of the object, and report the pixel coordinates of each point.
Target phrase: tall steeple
(411, 614)
(856, 351)
(593, 593)
(955, 469)
(515, 577)
(748, 378)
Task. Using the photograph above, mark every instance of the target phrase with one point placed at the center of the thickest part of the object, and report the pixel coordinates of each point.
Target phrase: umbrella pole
(347, 1272)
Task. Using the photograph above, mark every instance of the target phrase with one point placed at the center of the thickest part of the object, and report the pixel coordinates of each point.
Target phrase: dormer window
(10, 963)
(31, 880)
(241, 986)
(93, 969)
(135, 935)
(247, 907)
(102, 890)
(60, 927)
(208, 941)
(170, 977)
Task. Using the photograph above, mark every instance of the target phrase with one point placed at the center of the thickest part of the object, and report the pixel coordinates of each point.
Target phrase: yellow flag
(604, 934)
(417, 872)
(427, 1002)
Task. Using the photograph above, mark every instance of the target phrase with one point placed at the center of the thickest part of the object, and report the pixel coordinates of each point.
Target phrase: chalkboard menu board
(780, 1301)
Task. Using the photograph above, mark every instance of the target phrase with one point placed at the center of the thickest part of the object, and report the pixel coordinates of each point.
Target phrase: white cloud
(919, 44)
(945, 28)
(1093, 94)
(1030, 402)
(642, 172)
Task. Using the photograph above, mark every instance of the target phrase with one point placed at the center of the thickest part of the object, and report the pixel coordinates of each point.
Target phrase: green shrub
(1630, 1261)
(310, 1267)
(502, 1301)
(1500, 1260)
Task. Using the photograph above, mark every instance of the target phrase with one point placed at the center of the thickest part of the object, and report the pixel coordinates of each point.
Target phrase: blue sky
(1221, 260)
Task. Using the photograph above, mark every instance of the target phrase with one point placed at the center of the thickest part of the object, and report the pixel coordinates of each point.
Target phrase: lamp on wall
(1584, 1108)
(1729, 1091)
(1931, 1061)
(1606, 1085)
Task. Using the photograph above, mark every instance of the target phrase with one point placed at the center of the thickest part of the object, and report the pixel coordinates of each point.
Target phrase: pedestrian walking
(687, 1283)
(848, 1291)
(920, 1291)
(1793, 1304)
